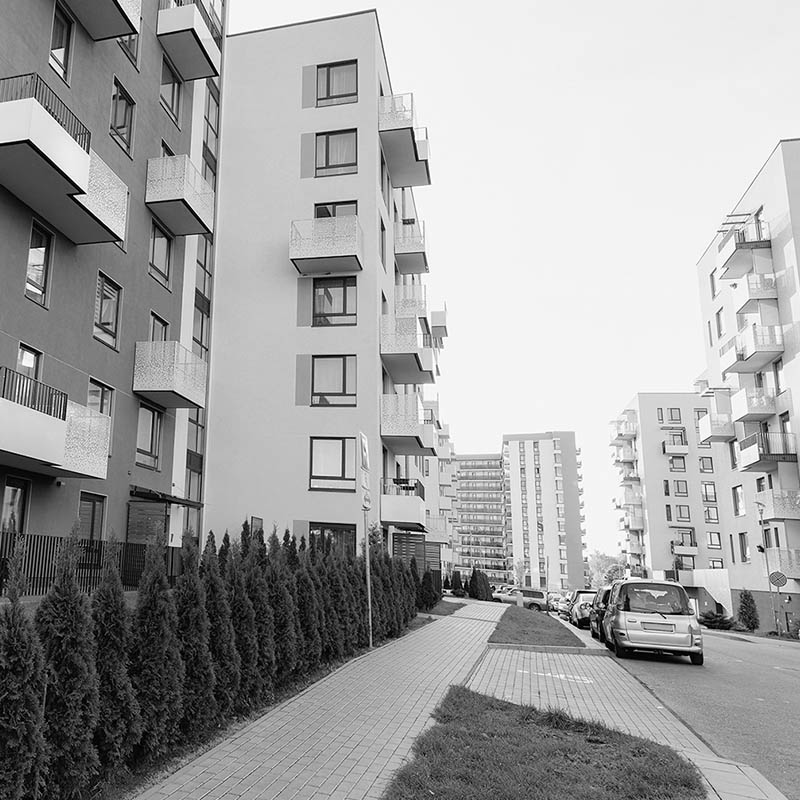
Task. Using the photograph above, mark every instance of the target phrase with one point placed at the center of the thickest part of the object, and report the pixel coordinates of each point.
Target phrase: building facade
(322, 326)
(107, 206)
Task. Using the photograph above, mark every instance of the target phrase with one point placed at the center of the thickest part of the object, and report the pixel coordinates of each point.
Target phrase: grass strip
(486, 748)
(445, 607)
(521, 626)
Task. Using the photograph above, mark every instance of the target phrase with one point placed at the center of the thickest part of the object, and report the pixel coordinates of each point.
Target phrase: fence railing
(213, 27)
(41, 558)
(32, 86)
(25, 391)
(403, 487)
(774, 443)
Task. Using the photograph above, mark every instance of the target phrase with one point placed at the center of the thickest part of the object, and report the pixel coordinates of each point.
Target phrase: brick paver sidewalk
(344, 736)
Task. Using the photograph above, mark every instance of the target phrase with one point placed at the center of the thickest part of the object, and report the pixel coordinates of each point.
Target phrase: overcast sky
(583, 154)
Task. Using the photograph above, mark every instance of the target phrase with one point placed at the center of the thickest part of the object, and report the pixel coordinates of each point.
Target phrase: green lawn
(444, 607)
(487, 749)
(520, 626)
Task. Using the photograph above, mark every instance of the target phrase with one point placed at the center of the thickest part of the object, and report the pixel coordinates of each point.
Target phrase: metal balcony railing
(32, 86)
(33, 394)
(770, 443)
(752, 231)
(214, 27)
(403, 487)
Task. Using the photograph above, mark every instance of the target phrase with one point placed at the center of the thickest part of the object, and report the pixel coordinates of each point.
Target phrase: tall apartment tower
(321, 322)
(108, 136)
(748, 280)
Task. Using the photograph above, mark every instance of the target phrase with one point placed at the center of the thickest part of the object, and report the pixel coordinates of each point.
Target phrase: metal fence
(25, 391)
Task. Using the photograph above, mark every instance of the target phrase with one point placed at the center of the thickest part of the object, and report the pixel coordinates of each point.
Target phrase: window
(777, 537)
(333, 464)
(708, 491)
(197, 431)
(205, 266)
(28, 362)
(337, 83)
(122, 106)
(720, 324)
(668, 512)
(211, 133)
(106, 311)
(130, 45)
(716, 563)
(676, 437)
(777, 373)
(733, 552)
(334, 301)
(201, 326)
(706, 464)
(148, 437)
(711, 514)
(158, 328)
(348, 208)
(714, 540)
(744, 547)
(785, 422)
(170, 90)
(677, 464)
(39, 253)
(681, 489)
(660, 415)
(710, 335)
(382, 243)
(666, 488)
(674, 414)
(337, 153)
(343, 537)
(194, 489)
(15, 505)
(100, 397)
(333, 380)
(682, 513)
(61, 41)
(733, 451)
(738, 501)
(712, 280)
(684, 562)
(91, 512)
(160, 253)
(761, 484)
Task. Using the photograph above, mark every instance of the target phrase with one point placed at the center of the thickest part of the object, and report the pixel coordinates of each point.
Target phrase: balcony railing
(32, 394)
(779, 503)
(409, 237)
(403, 487)
(396, 111)
(180, 195)
(752, 231)
(770, 443)
(786, 561)
(214, 28)
(410, 300)
(31, 86)
(328, 238)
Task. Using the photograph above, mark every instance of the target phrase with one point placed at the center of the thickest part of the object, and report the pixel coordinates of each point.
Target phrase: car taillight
(586, 605)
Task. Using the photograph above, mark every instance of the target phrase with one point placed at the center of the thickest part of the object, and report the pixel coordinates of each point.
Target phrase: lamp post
(762, 548)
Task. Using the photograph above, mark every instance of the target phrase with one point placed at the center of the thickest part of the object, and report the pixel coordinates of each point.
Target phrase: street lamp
(762, 548)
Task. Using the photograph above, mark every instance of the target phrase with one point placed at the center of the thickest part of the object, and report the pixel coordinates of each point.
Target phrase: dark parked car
(597, 612)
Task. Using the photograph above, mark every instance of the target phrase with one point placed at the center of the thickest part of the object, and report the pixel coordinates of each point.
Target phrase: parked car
(579, 609)
(597, 612)
(533, 599)
(651, 615)
(562, 607)
(500, 594)
(553, 599)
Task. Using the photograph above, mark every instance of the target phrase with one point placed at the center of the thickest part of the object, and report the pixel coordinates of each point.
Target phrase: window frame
(334, 99)
(64, 69)
(673, 460)
(37, 357)
(334, 205)
(344, 440)
(340, 283)
(681, 488)
(120, 91)
(344, 372)
(174, 105)
(131, 52)
(716, 563)
(682, 513)
(157, 322)
(345, 544)
(703, 459)
(327, 169)
(156, 431)
(711, 514)
(48, 261)
(737, 500)
(714, 540)
(99, 329)
(97, 500)
(154, 270)
(744, 547)
(708, 495)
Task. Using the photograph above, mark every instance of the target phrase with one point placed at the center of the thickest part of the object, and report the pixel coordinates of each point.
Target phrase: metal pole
(369, 577)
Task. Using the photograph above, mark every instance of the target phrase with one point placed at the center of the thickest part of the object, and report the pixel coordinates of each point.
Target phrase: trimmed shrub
(258, 592)
(339, 600)
(446, 584)
(429, 598)
(199, 703)
(244, 538)
(281, 601)
(457, 587)
(274, 552)
(119, 724)
(64, 624)
(394, 596)
(251, 682)
(22, 743)
(715, 620)
(156, 664)
(417, 582)
(289, 549)
(333, 611)
(748, 613)
(357, 580)
(224, 655)
(308, 612)
(222, 556)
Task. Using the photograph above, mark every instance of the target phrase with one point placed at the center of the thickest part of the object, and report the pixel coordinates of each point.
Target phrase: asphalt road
(744, 701)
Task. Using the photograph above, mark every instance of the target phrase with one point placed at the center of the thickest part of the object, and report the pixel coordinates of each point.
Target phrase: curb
(541, 648)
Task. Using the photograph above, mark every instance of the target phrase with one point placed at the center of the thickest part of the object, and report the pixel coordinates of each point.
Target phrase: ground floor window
(91, 514)
(15, 505)
(343, 537)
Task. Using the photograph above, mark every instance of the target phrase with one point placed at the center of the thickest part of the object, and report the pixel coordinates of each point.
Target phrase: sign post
(366, 505)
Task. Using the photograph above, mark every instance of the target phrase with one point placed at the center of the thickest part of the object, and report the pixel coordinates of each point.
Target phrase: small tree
(251, 682)
(199, 703)
(119, 724)
(446, 584)
(417, 582)
(473, 590)
(245, 538)
(258, 592)
(64, 624)
(429, 598)
(22, 743)
(286, 637)
(309, 619)
(457, 588)
(274, 548)
(222, 556)
(748, 613)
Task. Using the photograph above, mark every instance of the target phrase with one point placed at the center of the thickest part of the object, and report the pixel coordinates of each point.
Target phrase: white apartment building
(322, 328)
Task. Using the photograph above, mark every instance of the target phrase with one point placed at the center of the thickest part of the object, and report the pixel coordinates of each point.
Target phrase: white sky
(583, 154)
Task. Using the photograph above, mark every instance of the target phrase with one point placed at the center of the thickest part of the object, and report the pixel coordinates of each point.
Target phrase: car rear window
(654, 598)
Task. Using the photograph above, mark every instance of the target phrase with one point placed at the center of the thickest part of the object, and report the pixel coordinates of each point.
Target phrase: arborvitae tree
(220, 632)
(456, 586)
(290, 551)
(119, 724)
(307, 605)
(748, 613)
(156, 664)
(258, 592)
(396, 597)
(446, 584)
(281, 601)
(339, 619)
(411, 591)
(472, 586)
(417, 582)
(258, 549)
(251, 683)
(64, 624)
(302, 548)
(222, 556)
(341, 587)
(199, 703)
(274, 548)
(401, 595)
(329, 613)
(376, 585)
(429, 598)
(356, 580)
(313, 553)
(245, 538)
(22, 743)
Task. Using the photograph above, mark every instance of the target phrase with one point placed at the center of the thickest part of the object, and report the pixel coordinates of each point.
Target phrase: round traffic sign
(777, 579)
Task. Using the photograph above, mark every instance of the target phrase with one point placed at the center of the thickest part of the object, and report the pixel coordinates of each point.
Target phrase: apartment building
(322, 327)
(108, 127)
(748, 283)
(544, 510)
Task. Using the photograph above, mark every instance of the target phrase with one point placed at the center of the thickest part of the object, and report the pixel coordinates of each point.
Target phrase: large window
(674, 414)
(15, 505)
(706, 464)
(681, 489)
(333, 381)
(337, 153)
(711, 514)
(211, 134)
(744, 547)
(738, 501)
(197, 431)
(333, 464)
(148, 437)
(682, 513)
(677, 464)
(122, 107)
(39, 254)
(709, 491)
(343, 537)
(337, 83)
(170, 90)
(347, 208)
(28, 362)
(714, 540)
(160, 253)
(201, 326)
(91, 511)
(205, 266)
(334, 301)
(106, 311)
(100, 397)
(61, 41)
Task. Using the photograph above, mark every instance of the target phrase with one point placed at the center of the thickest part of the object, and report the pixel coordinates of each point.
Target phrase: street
(744, 702)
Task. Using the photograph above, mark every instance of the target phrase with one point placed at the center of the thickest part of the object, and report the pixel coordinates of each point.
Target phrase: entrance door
(15, 504)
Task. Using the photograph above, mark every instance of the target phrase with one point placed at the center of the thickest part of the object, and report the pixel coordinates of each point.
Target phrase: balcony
(622, 431)
(326, 246)
(403, 503)
(752, 405)
(761, 452)
(46, 433)
(404, 146)
(406, 352)
(410, 300)
(678, 548)
(629, 478)
(785, 561)
(736, 254)
(623, 455)
(107, 19)
(179, 196)
(190, 37)
(716, 428)
(752, 288)
(752, 349)
(439, 323)
(674, 448)
(402, 426)
(780, 503)
(409, 248)
(168, 374)
(635, 522)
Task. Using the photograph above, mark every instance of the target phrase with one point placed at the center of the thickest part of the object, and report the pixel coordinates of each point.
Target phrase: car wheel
(533, 607)
(619, 651)
(696, 659)
(594, 633)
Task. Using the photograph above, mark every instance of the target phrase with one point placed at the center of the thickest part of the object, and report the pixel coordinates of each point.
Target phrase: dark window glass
(60, 41)
(334, 301)
(122, 106)
(343, 537)
(38, 264)
(170, 90)
(130, 44)
(337, 153)
(333, 381)
(90, 515)
(343, 209)
(205, 266)
(160, 253)
(200, 332)
(197, 431)
(337, 83)
(106, 310)
(148, 437)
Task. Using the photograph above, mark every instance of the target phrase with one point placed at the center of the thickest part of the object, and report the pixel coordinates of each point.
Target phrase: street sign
(777, 579)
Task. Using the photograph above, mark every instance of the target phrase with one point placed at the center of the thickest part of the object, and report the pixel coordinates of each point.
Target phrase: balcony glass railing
(32, 394)
(761, 282)
(214, 27)
(403, 487)
(396, 111)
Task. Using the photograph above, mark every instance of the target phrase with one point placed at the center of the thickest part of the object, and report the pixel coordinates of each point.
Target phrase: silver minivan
(652, 615)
